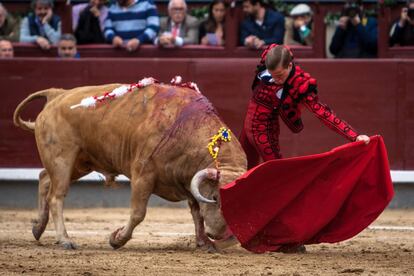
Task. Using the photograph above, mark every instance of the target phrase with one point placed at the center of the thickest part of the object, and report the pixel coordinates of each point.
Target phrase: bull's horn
(196, 181)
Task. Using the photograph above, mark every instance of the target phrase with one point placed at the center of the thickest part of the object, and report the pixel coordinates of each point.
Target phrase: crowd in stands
(128, 24)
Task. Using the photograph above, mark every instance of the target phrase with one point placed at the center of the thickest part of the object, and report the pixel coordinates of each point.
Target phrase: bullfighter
(280, 87)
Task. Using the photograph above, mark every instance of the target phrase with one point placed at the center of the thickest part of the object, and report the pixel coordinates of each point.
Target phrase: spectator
(6, 49)
(262, 26)
(402, 32)
(88, 21)
(211, 31)
(9, 26)
(356, 34)
(131, 23)
(179, 28)
(42, 27)
(67, 47)
(299, 26)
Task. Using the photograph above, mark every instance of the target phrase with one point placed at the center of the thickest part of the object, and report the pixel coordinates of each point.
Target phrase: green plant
(280, 6)
(332, 17)
(390, 3)
(200, 12)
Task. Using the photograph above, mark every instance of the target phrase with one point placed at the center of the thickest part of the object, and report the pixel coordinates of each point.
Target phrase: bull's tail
(49, 94)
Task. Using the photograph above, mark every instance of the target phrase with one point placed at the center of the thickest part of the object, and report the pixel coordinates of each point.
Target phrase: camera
(410, 13)
(351, 10)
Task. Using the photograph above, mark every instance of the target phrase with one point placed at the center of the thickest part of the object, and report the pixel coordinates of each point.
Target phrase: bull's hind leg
(202, 240)
(61, 171)
(141, 190)
(40, 223)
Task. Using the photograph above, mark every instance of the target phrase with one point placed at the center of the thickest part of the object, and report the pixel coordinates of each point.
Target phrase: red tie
(174, 31)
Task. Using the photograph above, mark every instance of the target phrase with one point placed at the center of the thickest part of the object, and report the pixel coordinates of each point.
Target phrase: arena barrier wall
(374, 96)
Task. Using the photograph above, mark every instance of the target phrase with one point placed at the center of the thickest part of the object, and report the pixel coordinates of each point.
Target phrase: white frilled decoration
(116, 93)
(122, 90)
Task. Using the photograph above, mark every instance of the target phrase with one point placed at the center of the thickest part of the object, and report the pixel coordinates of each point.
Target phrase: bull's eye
(215, 198)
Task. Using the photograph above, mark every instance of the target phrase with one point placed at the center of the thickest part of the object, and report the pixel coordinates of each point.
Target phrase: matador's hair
(279, 55)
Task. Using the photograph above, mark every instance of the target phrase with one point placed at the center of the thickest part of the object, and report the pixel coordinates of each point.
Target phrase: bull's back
(114, 131)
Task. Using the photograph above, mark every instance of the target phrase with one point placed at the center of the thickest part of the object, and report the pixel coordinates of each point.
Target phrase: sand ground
(164, 245)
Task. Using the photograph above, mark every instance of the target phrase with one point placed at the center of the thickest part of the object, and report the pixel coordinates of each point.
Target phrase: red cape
(327, 197)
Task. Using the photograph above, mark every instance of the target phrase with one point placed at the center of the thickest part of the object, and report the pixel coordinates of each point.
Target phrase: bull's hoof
(38, 230)
(212, 249)
(116, 240)
(207, 245)
(68, 245)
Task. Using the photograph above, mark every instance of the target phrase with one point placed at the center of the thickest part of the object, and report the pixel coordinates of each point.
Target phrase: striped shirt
(140, 20)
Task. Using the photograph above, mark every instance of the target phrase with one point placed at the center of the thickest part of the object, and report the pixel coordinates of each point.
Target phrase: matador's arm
(328, 117)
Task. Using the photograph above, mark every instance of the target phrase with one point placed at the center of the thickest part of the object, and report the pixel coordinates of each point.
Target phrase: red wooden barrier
(189, 51)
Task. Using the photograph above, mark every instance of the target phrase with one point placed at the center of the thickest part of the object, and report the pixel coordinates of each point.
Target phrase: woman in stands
(212, 30)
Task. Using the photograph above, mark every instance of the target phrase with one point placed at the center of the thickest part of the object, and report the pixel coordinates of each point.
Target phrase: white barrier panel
(31, 174)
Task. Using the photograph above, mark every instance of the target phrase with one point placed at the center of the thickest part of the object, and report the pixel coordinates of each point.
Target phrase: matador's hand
(363, 138)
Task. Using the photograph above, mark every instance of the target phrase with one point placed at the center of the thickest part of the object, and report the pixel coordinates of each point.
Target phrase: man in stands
(299, 26)
(131, 23)
(6, 49)
(402, 32)
(262, 26)
(67, 46)
(43, 27)
(9, 26)
(179, 28)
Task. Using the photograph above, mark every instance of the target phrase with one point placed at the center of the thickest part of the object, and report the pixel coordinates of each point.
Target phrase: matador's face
(280, 74)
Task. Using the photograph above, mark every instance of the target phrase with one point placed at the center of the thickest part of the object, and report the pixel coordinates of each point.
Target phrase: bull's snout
(223, 241)
(222, 235)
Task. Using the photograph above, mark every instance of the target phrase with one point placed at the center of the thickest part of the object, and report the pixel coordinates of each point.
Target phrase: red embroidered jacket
(299, 89)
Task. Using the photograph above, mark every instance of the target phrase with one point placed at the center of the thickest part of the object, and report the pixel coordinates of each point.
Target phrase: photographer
(402, 32)
(356, 34)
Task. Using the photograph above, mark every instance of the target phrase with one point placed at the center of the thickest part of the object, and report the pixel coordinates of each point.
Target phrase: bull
(156, 135)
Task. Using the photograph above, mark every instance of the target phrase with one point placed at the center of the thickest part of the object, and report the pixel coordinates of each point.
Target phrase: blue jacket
(272, 30)
(35, 28)
(356, 41)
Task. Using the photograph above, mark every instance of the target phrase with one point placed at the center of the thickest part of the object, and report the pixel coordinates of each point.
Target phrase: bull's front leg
(141, 190)
(202, 240)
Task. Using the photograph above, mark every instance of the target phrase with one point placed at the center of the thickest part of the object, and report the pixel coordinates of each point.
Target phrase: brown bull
(156, 136)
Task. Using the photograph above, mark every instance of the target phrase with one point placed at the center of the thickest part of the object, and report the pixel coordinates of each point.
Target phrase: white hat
(300, 10)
